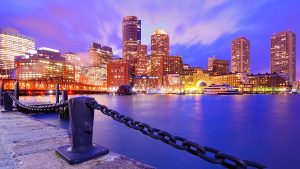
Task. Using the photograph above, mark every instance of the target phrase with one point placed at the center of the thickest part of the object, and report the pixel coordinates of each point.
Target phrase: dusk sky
(197, 28)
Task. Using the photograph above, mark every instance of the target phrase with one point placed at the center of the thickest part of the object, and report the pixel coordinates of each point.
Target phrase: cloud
(188, 23)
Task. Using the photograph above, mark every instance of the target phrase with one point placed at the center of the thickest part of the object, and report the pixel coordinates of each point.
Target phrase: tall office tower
(217, 65)
(139, 31)
(160, 43)
(13, 44)
(100, 55)
(240, 55)
(141, 65)
(131, 37)
(283, 55)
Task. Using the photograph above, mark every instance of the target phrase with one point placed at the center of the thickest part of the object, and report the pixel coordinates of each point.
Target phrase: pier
(28, 143)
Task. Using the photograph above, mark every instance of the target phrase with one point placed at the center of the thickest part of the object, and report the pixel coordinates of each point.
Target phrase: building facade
(131, 37)
(240, 55)
(99, 55)
(13, 44)
(218, 66)
(283, 55)
(160, 43)
(141, 64)
(118, 73)
(39, 68)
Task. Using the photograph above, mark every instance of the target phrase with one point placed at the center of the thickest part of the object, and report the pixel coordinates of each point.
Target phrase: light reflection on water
(262, 128)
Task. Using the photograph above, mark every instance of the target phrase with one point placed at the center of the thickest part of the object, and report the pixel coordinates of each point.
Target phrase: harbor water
(262, 128)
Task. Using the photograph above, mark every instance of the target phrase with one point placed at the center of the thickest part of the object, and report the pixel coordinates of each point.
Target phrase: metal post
(57, 93)
(16, 93)
(1, 92)
(81, 126)
(64, 95)
(7, 103)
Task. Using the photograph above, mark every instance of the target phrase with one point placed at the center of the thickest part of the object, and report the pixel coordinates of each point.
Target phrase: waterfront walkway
(29, 143)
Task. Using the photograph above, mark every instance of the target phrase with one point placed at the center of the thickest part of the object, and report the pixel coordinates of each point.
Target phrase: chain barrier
(38, 108)
(206, 153)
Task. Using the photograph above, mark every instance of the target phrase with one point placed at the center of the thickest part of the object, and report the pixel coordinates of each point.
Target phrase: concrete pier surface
(29, 143)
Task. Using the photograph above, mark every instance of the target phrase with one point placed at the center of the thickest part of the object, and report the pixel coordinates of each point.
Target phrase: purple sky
(197, 29)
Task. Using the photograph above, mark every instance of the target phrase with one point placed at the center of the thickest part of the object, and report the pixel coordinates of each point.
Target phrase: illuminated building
(141, 64)
(160, 43)
(118, 73)
(99, 55)
(268, 83)
(131, 37)
(172, 65)
(218, 66)
(187, 70)
(145, 83)
(283, 55)
(74, 59)
(96, 75)
(234, 79)
(172, 83)
(13, 44)
(36, 67)
(240, 55)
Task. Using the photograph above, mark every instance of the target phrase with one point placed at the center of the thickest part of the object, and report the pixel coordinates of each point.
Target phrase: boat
(220, 89)
(124, 90)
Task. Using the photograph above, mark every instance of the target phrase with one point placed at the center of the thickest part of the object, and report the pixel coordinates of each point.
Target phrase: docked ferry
(223, 89)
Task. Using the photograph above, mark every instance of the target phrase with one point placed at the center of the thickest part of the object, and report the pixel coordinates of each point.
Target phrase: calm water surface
(262, 128)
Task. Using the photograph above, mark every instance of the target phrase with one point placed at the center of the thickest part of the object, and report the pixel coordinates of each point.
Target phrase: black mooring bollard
(7, 103)
(57, 93)
(64, 95)
(1, 92)
(81, 127)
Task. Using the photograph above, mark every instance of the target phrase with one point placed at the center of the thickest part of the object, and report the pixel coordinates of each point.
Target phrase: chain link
(38, 108)
(206, 153)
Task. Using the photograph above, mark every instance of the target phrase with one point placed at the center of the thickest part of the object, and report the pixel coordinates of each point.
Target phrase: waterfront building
(96, 75)
(233, 79)
(118, 73)
(240, 55)
(74, 59)
(264, 83)
(172, 65)
(145, 83)
(13, 44)
(131, 37)
(160, 43)
(283, 55)
(187, 70)
(141, 64)
(38, 67)
(172, 83)
(218, 66)
(99, 55)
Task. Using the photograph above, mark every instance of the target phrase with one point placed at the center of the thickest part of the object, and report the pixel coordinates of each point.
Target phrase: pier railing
(81, 113)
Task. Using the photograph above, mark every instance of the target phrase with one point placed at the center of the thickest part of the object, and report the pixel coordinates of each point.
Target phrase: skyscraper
(13, 44)
(131, 37)
(240, 55)
(160, 43)
(283, 55)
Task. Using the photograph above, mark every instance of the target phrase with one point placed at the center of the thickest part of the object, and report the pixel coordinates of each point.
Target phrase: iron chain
(38, 108)
(206, 153)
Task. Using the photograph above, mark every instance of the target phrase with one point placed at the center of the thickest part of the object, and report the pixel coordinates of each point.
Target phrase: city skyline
(194, 50)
